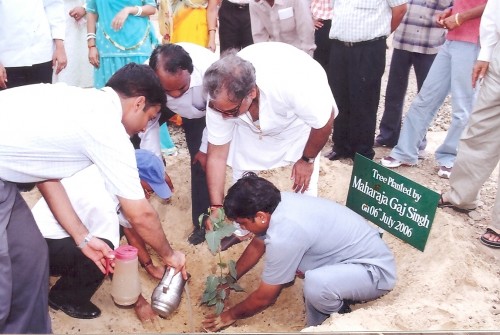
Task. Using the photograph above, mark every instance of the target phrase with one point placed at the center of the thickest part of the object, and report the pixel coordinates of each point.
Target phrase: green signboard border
(393, 202)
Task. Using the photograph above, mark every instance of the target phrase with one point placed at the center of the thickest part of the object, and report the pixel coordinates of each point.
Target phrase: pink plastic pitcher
(125, 286)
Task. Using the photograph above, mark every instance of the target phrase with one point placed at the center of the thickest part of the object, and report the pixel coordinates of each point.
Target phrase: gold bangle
(456, 19)
(209, 30)
(91, 46)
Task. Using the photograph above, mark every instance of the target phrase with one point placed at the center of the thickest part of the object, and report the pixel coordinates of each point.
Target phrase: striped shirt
(322, 9)
(419, 31)
(362, 20)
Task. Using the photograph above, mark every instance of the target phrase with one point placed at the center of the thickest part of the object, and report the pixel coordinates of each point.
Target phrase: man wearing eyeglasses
(269, 106)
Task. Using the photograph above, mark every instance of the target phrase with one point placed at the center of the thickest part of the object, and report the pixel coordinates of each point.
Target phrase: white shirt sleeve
(204, 141)
(220, 130)
(489, 30)
(56, 16)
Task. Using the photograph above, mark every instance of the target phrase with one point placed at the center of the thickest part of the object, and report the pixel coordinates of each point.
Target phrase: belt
(236, 5)
(353, 44)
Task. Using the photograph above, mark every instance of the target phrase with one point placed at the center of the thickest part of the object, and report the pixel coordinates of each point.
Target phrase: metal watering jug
(167, 295)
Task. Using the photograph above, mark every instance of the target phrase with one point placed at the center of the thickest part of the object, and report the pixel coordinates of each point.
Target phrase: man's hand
(318, 23)
(440, 18)
(215, 323)
(301, 175)
(77, 13)
(479, 71)
(3, 77)
(177, 260)
(97, 250)
(201, 158)
(59, 60)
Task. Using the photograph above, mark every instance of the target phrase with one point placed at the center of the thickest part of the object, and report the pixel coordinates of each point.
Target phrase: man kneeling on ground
(340, 257)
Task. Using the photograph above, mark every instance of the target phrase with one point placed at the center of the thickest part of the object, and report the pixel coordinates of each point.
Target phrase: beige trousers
(479, 148)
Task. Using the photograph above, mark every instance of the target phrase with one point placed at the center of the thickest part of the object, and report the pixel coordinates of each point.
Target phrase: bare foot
(155, 271)
(143, 310)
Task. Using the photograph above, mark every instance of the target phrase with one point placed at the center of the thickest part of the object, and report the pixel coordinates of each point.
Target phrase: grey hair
(230, 73)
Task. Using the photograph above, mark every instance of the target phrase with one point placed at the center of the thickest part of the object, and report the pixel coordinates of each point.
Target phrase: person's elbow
(139, 212)
(399, 11)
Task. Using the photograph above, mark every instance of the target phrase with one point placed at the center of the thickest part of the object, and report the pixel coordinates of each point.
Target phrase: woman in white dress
(78, 72)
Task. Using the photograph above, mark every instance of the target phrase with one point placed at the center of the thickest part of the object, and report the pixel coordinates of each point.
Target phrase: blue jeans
(401, 63)
(451, 71)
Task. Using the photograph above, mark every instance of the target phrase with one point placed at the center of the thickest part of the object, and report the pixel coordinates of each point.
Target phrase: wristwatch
(307, 159)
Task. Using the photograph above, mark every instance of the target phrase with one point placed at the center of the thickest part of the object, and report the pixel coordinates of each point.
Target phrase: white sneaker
(444, 172)
(390, 162)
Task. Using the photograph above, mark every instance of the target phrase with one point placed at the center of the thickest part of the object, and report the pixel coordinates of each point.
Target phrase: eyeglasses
(232, 112)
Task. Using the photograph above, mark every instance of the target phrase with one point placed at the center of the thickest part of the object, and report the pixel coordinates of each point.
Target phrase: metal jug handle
(168, 279)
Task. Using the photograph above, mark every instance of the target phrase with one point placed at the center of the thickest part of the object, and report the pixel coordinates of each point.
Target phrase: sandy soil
(454, 285)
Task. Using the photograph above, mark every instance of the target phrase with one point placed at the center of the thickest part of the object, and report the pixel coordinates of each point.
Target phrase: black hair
(171, 58)
(249, 195)
(134, 80)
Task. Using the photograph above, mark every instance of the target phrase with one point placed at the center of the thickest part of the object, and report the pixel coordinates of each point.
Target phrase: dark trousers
(355, 74)
(193, 128)
(27, 75)
(235, 30)
(80, 277)
(401, 62)
(323, 44)
(24, 267)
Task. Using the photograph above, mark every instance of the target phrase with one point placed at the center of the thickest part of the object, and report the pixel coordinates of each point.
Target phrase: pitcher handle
(168, 279)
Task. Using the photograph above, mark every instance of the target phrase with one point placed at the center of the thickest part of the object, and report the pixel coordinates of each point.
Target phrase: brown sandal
(447, 204)
(486, 242)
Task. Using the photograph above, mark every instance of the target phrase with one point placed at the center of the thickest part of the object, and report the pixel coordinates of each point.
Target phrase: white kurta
(294, 97)
(93, 203)
(64, 130)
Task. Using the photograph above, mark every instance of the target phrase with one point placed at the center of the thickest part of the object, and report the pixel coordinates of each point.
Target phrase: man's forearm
(260, 299)
(146, 223)
(398, 13)
(216, 172)
(318, 138)
(58, 201)
(252, 254)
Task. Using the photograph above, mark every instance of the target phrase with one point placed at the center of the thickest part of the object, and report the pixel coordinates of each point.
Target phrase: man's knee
(316, 295)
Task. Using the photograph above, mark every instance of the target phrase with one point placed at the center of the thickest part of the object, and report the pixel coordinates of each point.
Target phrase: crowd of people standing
(247, 110)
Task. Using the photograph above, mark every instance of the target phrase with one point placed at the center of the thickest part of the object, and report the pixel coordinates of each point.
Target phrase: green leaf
(226, 230)
(207, 296)
(212, 302)
(232, 269)
(219, 307)
(212, 283)
(213, 240)
(236, 287)
(222, 294)
(222, 265)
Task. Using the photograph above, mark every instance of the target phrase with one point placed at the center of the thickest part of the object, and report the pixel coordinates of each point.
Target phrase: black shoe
(336, 156)
(228, 241)
(197, 236)
(86, 310)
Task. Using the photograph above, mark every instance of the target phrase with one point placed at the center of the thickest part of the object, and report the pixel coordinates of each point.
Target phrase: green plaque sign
(395, 203)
